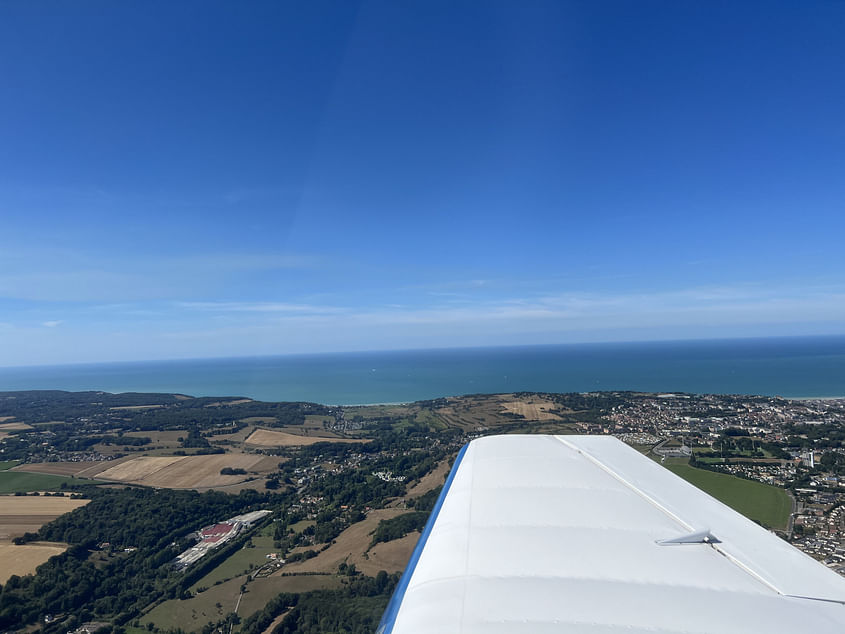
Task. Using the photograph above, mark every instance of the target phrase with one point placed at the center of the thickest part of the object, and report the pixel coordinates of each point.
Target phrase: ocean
(792, 367)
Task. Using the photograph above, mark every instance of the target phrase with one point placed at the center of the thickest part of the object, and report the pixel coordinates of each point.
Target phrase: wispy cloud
(259, 307)
(187, 328)
(561, 313)
(63, 276)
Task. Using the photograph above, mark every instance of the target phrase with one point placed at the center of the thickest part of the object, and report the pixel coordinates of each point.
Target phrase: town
(321, 500)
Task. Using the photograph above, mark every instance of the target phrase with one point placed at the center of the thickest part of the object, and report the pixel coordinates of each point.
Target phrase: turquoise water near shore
(791, 367)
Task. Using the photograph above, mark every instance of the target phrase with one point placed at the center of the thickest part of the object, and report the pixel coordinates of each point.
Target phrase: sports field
(764, 503)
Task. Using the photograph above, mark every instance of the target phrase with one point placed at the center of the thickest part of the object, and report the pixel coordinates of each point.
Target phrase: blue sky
(200, 179)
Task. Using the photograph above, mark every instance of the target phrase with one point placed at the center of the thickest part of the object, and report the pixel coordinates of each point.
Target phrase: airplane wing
(584, 534)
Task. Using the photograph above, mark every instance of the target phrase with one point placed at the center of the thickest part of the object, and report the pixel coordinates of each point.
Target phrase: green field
(427, 417)
(192, 614)
(8, 464)
(260, 591)
(14, 481)
(764, 503)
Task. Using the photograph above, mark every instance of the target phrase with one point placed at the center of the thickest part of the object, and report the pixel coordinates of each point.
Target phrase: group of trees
(356, 608)
(808, 436)
(147, 528)
(153, 524)
(833, 462)
(232, 471)
(41, 406)
(209, 412)
(399, 526)
(426, 501)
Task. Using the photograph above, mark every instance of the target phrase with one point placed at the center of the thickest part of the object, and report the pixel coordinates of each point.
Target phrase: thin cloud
(63, 277)
(258, 307)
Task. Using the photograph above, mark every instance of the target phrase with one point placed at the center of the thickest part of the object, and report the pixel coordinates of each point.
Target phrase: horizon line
(431, 349)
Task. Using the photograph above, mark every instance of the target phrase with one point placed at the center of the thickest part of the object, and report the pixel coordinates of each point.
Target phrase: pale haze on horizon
(210, 179)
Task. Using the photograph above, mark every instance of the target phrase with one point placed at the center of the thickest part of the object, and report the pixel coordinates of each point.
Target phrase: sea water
(791, 367)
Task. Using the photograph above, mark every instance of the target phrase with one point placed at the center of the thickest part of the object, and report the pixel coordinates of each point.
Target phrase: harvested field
(532, 409)
(26, 514)
(3, 419)
(391, 556)
(135, 407)
(268, 464)
(57, 468)
(187, 472)
(431, 480)
(267, 438)
(100, 466)
(139, 468)
(159, 436)
(23, 560)
(350, 546)
(14, 426)
(240, 401)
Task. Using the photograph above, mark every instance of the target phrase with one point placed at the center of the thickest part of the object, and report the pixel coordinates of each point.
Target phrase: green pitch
(764, 503)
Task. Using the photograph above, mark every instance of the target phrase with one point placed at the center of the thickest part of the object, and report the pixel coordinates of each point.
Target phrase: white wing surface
(584, 534)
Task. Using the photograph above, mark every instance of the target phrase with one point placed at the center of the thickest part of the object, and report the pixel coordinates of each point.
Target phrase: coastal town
(234, 498)
(793, 444)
